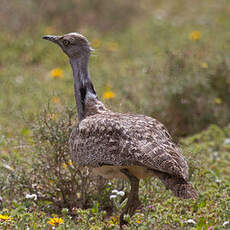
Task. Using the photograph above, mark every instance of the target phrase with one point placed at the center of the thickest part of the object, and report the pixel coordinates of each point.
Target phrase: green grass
(153, 68)
(208, 157)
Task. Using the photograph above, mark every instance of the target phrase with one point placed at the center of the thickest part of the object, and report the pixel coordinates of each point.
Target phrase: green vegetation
(61, 190)
(169, 60)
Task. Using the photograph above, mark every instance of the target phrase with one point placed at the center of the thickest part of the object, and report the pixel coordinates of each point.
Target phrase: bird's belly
(110, 172)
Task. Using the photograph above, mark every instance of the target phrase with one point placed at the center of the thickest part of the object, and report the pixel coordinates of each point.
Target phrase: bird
(119, 145)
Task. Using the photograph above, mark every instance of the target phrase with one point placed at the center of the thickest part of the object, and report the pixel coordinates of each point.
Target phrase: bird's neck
(83, 87)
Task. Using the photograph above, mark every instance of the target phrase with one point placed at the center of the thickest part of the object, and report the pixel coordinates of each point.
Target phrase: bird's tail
(179, 186)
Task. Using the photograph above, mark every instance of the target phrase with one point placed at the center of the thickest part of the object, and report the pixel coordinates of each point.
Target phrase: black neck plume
(83, 87)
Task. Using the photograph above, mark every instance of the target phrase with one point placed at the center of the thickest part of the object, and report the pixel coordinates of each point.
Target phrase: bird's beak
(51, 38)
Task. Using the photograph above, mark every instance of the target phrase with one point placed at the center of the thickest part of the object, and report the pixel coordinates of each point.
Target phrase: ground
(171, 63)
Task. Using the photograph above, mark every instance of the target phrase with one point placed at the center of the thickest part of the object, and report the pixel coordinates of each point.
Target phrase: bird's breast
(110, 171)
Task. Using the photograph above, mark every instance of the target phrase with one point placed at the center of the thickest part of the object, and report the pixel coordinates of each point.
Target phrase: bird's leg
(133, 201)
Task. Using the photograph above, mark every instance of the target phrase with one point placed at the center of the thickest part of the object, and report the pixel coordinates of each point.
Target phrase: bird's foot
(130, 208)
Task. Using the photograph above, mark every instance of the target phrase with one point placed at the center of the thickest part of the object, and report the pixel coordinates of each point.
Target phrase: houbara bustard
(117, 145)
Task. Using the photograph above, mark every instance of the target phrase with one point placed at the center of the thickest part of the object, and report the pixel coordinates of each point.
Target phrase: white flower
(218, 180)
(226, 223)
(215, 155)
(190, 221)
(112, 197)
(114, 191)
(120, 193)
(19, 79)
(109, 183)
(32, 196)
(227, 141)
(8, 167)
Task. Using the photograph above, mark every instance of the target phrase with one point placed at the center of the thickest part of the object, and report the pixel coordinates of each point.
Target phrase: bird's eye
(66, 42)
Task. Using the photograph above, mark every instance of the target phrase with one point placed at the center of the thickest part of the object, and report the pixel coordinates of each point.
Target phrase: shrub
(50, 173)
(190, 97)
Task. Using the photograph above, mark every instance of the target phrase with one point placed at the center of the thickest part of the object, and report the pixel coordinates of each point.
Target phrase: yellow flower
(108, 95)
(204, 65)
(70, 163)
(114, 220)
(96, 43)
(78, 195)
(56, 73)
(4, 218)
(218, 101)
(56, 100)
(51, 181)
(195, 35)
(112, 46)
(140, 216)
(64, 165)
(55, 221)
(138, 221)
(51, 116)
(93, 227)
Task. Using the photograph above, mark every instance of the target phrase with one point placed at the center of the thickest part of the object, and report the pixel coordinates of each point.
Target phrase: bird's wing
(124, 140)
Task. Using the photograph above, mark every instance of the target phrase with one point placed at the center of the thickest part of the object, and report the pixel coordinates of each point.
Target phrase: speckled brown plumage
(105, 138)
(117, 145)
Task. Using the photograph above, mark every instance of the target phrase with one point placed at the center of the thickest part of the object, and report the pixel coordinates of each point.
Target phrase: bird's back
(116, 139)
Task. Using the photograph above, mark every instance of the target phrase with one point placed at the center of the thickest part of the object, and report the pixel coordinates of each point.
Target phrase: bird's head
(74, 45)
